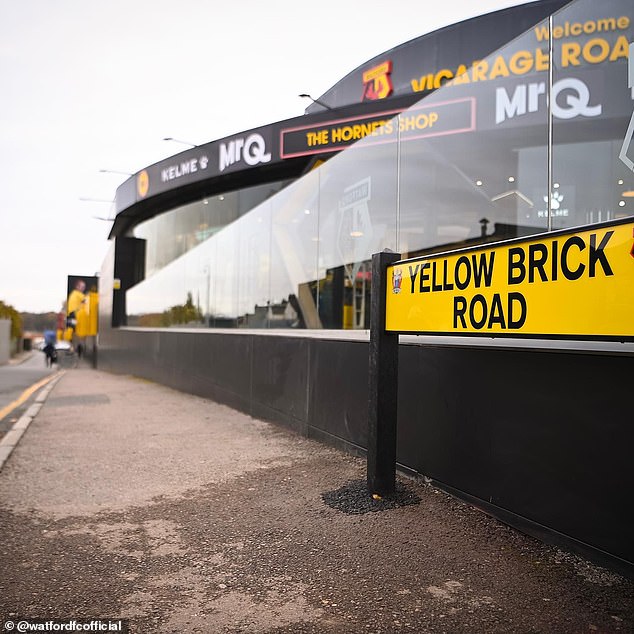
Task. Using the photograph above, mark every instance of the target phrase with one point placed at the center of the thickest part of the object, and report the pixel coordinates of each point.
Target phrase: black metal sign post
(383, 385)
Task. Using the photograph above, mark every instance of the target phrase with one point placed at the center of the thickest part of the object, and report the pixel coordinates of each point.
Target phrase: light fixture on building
(479, 183)
(628, 194)
(319, 103)
(115, 172)
(621, 203)
(356, 234)
(511, 179)
(171, 138)
(96, 200)
(109, 218)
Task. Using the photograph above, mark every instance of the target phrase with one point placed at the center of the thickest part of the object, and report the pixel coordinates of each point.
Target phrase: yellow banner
(574, 284)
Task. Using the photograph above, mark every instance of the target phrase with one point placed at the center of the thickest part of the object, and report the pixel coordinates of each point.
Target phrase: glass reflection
(592, 107)
(173, 233)
(357, 217)
(472, 176)
(468, 164)
(294, 249)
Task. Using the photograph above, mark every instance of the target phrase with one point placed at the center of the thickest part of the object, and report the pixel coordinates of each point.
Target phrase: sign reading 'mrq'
(251, 151)
(572, 284)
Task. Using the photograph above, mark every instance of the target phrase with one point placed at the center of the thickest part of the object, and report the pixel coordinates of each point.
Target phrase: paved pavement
(125, 499)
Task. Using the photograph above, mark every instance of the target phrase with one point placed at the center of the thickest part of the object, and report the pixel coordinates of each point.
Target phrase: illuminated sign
(143, 183)
(251, 151)
(571, 284)
(377, 83)
(591, 42)
(526, 99)
(426, 120)
(184, 168)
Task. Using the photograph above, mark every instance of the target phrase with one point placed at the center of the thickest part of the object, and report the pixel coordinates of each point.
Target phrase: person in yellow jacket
(77, 319)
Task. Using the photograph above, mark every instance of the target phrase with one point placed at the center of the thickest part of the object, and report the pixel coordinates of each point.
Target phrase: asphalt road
(15, 378)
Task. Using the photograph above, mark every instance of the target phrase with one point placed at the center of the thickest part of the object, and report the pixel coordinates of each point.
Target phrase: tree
(39, 322)
(8, 312)
(182, 314)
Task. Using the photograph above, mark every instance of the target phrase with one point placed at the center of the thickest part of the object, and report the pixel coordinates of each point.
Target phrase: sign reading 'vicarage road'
(574, 284)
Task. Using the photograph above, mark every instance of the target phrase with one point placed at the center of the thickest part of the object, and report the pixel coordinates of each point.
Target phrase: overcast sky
(89, 85)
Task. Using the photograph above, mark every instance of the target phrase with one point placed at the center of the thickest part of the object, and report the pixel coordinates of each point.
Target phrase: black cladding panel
(280, 379)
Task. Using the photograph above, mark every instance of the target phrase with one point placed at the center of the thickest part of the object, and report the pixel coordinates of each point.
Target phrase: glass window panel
(253, 287)
(148, 303)
(592, 108)
(474, 160)
(225, 303)
(357, 217)
(173, 233)
(468, 164)
(294, 244)
(206, 265)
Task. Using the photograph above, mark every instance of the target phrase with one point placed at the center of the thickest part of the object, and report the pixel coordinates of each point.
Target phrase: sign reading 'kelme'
(573, 284)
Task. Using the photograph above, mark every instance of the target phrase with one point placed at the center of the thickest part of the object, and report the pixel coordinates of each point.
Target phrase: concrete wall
(5, 341)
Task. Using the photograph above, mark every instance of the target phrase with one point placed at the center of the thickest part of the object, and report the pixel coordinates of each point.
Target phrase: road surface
(15, 380)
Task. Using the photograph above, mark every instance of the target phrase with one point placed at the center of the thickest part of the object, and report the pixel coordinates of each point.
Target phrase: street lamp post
(99, 200)
(320, 103)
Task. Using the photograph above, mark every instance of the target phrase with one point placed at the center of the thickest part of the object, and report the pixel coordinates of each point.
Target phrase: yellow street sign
(572, 284)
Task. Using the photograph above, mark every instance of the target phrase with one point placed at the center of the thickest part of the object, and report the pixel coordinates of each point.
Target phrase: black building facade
(239, 269)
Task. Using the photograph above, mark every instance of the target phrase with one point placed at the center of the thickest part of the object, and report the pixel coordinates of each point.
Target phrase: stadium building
(240, 269)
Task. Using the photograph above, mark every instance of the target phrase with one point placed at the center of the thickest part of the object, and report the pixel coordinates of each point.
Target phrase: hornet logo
(377, 83)
(397, 278)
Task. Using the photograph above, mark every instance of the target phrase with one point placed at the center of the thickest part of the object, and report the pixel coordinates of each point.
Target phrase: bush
(8, 312)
